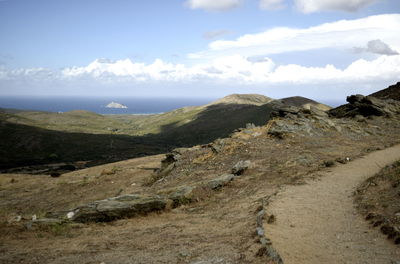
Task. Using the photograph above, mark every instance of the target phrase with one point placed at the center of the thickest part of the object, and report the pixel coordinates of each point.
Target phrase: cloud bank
(234, 69)
(311, 6)
(271, 4)
(243, 63)
(343, 34)
(304, 6)
(213, 5)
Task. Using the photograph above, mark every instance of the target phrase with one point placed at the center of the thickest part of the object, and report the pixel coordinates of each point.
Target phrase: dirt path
(318, 223)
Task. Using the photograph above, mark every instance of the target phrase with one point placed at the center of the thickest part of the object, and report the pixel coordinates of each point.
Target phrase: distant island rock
(116, 105)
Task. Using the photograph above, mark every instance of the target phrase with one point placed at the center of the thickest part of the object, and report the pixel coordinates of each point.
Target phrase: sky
(321, 49)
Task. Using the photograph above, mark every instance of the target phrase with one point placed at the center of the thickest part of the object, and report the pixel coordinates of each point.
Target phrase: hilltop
(305, 103)
(249, 99)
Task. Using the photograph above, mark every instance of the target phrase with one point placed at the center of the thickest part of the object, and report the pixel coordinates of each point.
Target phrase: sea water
(98, 104)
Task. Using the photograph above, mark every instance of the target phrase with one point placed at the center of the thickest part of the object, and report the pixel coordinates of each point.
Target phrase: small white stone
(70, 215)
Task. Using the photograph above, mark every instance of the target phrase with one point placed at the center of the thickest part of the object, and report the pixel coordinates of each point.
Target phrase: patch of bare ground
(217, 227)
(318, 222)
(378, 200)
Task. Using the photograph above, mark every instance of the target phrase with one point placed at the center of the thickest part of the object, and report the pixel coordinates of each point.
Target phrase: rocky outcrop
(167, 164)
(116, 208)
(283, 110)
(240, 167)
(220, 181)
(359, 105)
(180, 195)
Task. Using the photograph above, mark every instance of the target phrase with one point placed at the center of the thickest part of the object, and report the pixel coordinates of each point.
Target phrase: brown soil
(318, 223)
(217, 228)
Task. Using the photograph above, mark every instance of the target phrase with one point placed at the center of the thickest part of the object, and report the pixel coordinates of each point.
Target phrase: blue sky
(198, 47)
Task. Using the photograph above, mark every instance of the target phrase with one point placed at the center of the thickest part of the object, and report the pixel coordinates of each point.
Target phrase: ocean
(98, 104)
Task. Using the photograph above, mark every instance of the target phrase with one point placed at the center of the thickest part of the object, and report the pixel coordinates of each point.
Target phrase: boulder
(116, 208)
(318, 112)
(217, 145)
(180, 195)
(240, 167)
(366, 106)
(221, 181)
(250, 126)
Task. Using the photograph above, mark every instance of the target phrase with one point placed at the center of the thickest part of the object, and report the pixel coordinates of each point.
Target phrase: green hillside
(34, 137)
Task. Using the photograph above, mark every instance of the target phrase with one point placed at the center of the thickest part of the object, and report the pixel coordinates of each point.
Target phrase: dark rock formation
(392, 92)
(366, 106)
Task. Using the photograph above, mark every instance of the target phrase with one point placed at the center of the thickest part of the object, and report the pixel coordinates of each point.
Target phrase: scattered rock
(329, 163)
(265, 241)
(260, 217)
(371, 216)
(250, 126)
(260, 231)
(271, 219)
(241, 167)
(266, 249)
(181, 195)
(14, 219)
(221, 181)
(217, 145)
(342, 160)
(168, 163)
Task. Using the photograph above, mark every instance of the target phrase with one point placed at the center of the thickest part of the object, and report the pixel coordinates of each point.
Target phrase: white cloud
(311, 6)
(271, 4)
(379, 47)
(213, 5)
(233, 69)
(216, 33)
(219, 77)
(343, 34)
(376, 46)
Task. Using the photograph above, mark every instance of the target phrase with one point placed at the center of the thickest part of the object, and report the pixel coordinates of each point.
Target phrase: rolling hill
(36, 137)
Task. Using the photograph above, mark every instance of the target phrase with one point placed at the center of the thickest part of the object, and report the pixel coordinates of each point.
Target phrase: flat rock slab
(124, 206)
(221, 181)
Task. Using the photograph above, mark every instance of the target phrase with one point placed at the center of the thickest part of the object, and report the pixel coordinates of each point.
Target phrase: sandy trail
(318, 222)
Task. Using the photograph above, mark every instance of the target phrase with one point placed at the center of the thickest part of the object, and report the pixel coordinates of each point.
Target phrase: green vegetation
(33, 137)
